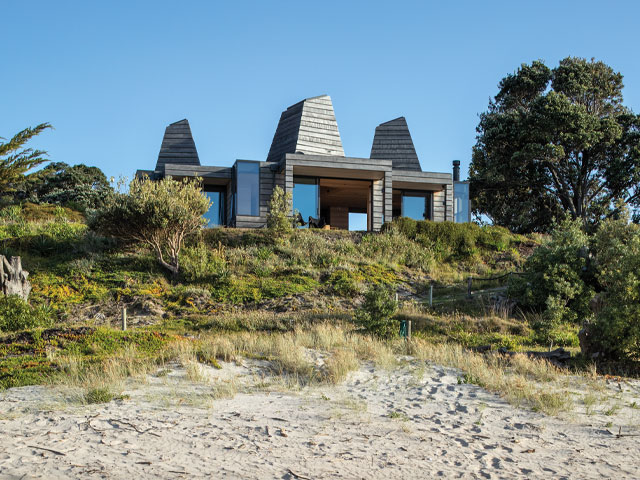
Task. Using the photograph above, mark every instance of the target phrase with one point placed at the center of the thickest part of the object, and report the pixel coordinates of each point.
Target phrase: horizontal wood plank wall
(378, 204)
(388, 196)
(439, 206)
(449, 202)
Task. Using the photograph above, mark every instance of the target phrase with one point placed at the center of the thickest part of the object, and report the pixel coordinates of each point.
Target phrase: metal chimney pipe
(456, 170)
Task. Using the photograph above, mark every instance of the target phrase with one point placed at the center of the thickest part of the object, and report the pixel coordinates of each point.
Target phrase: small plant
(376, 314)
(279, 221)
(16, 314)
(98, 395)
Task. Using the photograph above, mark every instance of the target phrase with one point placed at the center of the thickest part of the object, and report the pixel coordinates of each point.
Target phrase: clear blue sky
(111, 75)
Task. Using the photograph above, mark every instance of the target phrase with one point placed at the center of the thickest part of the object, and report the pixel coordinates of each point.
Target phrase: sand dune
(412, 422)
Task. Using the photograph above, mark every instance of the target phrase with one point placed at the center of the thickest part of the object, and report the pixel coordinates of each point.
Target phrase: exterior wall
(449, 203)
(267, 182)
(378, 204)
(388, 197)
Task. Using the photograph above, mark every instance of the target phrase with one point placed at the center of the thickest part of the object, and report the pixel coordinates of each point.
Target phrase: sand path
(405, 423)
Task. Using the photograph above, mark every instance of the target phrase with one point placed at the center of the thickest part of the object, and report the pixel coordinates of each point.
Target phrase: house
(306, 158)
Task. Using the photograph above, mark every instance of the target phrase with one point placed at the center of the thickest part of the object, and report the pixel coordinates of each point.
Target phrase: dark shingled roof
(392, 141)
(309, 127)
(178, 146)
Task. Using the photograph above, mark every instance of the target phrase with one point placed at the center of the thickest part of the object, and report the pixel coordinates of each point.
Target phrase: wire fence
(473, 286)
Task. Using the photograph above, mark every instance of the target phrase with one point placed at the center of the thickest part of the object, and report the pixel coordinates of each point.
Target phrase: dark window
(247, 191)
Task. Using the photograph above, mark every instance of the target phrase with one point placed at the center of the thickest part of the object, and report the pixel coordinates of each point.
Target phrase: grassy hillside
(246, 280)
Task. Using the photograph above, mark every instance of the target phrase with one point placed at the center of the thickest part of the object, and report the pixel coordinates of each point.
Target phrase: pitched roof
(178, 146)
(392, 141)
(309, 126)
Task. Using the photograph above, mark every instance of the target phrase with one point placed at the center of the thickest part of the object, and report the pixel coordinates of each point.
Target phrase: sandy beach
(414, 421)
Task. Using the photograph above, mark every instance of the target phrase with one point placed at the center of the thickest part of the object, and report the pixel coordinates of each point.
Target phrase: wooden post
(430, 294)
(408, 329)
(469, 283)
(124, 318)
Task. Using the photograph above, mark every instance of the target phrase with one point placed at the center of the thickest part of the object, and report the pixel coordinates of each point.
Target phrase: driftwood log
(13, 279)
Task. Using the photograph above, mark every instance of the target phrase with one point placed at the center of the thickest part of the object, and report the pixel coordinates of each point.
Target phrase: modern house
(306, 158)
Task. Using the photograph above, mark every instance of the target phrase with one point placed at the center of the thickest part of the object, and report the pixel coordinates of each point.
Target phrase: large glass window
(461, 207)
(305, 196)
(247, 198)
(416, 205)
(215, 214)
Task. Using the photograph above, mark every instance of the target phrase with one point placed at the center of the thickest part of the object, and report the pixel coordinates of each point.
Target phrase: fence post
(409, 329)
(431, 294)
(469, 283)
(124, 318)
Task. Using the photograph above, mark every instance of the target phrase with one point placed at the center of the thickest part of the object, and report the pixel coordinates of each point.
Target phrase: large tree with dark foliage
(556, 142)
(78, 186)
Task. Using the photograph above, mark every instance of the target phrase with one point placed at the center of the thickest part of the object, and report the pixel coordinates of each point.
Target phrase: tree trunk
(13, 280)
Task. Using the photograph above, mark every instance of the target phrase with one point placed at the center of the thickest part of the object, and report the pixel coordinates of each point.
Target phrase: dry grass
(518, 379)
(325, 354)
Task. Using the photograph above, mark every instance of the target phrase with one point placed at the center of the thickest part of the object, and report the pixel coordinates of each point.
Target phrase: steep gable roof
(392, 141)
(178, 146)
(309, 126)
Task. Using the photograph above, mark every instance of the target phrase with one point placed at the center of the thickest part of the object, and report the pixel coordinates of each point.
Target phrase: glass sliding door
(247, 188)
(216, 213)
(305, 197)
(416, 205)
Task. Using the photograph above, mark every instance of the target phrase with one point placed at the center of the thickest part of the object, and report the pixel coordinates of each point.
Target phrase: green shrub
(376, 313)
(344, 283)
(16, 314)
(201, 263)
(615, 331)
(559, 281)
(279, 220)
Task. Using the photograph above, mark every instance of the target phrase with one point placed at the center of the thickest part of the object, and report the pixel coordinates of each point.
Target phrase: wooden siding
(178, 146)
(392, 141)
(388, 196)
(309, 126)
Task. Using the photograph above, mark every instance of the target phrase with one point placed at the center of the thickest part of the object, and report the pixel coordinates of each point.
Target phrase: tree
(15, 160)
(159, 214)
(554, 142)
(78, 186)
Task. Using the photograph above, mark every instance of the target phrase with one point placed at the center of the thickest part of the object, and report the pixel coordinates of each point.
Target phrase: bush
(200, 263)
(344, 283)
(158, 214)
(376, 313)
(279, 221)
(616, 327)
(16, 314)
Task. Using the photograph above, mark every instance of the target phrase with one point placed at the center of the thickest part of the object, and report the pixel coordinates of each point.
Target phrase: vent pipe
(456, 170)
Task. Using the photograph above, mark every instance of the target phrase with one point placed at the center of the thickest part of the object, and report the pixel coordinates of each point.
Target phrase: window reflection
(215, 214)
(416, 205)
(247, 188)
(461, 210)
(305, 196)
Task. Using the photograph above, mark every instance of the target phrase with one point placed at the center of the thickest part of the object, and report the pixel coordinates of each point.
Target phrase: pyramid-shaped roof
(178, 146)
(309, 127)
(392, 141)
